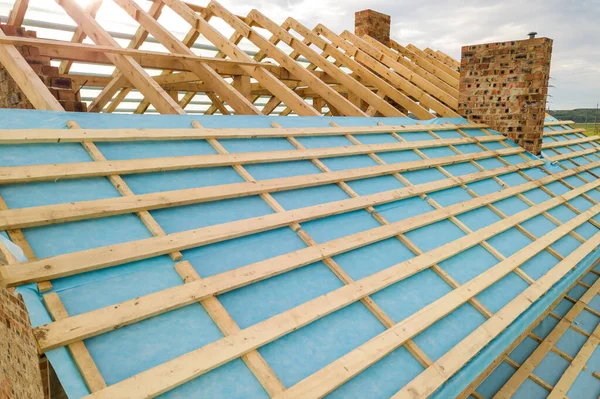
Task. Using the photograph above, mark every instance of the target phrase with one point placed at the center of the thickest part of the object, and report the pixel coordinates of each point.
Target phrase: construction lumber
(82, 358)
(79, 35)
(208, 75)
(343, 78)
(177, 371)
(324, 91)
(126, 65)
(27, 136)
(17, 13)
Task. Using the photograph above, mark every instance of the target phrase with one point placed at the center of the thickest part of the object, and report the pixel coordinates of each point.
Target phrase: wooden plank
(123, 189)
(329, 95)
(204, 72)
(564, 143)
(270, 267)
(79, 35)
(180, 370)
(217, 312)
(328, 67)
(557, 123)
(262, 75)
(23, 174)
(26, 136)
(126, 65)
(17, 13)
(81, 357)
(28, 81)
(428, 381)
(511, 386)
(562, 132)
(570, 155)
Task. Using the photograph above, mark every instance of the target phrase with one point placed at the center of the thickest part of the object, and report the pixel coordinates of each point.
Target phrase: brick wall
(20, 376)
(10, 94)
(374, 24)
(505, 85)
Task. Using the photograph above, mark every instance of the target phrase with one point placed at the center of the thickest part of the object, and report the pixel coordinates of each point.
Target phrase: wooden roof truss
(325, 73)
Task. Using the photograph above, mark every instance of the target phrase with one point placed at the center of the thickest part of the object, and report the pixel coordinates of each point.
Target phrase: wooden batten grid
(242, 343)
(323, 74)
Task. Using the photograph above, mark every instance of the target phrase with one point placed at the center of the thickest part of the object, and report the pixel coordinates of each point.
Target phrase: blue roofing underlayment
(132, 349)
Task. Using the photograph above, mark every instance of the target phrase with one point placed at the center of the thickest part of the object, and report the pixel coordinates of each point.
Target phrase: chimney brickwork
(505, 85)
(61, 88)
(20, 376)
(374, 24)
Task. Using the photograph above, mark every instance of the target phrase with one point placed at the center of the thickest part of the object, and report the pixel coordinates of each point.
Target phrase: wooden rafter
(125, 64)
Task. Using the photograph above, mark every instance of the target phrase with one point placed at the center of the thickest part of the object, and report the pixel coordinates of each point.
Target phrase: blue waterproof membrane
(125, 352)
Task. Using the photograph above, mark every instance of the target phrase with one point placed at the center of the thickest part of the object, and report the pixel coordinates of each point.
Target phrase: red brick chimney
(505, 85)
(374, 24)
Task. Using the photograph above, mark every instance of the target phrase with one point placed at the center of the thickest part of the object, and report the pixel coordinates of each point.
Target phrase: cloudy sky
(442, 25)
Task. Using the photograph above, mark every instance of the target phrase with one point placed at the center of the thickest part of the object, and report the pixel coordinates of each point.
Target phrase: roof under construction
(351, 251)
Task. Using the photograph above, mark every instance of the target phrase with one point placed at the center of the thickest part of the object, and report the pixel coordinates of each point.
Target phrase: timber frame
(325, 73)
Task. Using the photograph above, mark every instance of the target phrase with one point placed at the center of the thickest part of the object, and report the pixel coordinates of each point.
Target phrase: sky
(441, 25)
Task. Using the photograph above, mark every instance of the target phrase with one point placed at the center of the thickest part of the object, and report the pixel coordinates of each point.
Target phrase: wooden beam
(118, 80)
(126, 65)
(346, 107)
(204, 72)
(17, 14)
(28, 81)
(262, 75)
(31, 136)
(81, 357)
(148, 59)
(79, 35)
(564, 143)
(558, 123)
(30, 173)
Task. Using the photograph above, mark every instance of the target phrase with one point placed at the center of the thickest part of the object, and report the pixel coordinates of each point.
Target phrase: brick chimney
(505, 85)
(374, 24)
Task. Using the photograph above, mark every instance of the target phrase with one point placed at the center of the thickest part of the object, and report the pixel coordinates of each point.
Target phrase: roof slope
(558, 356)
(355, 261)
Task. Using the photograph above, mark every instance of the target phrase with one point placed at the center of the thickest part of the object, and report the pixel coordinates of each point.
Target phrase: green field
(589, 127)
